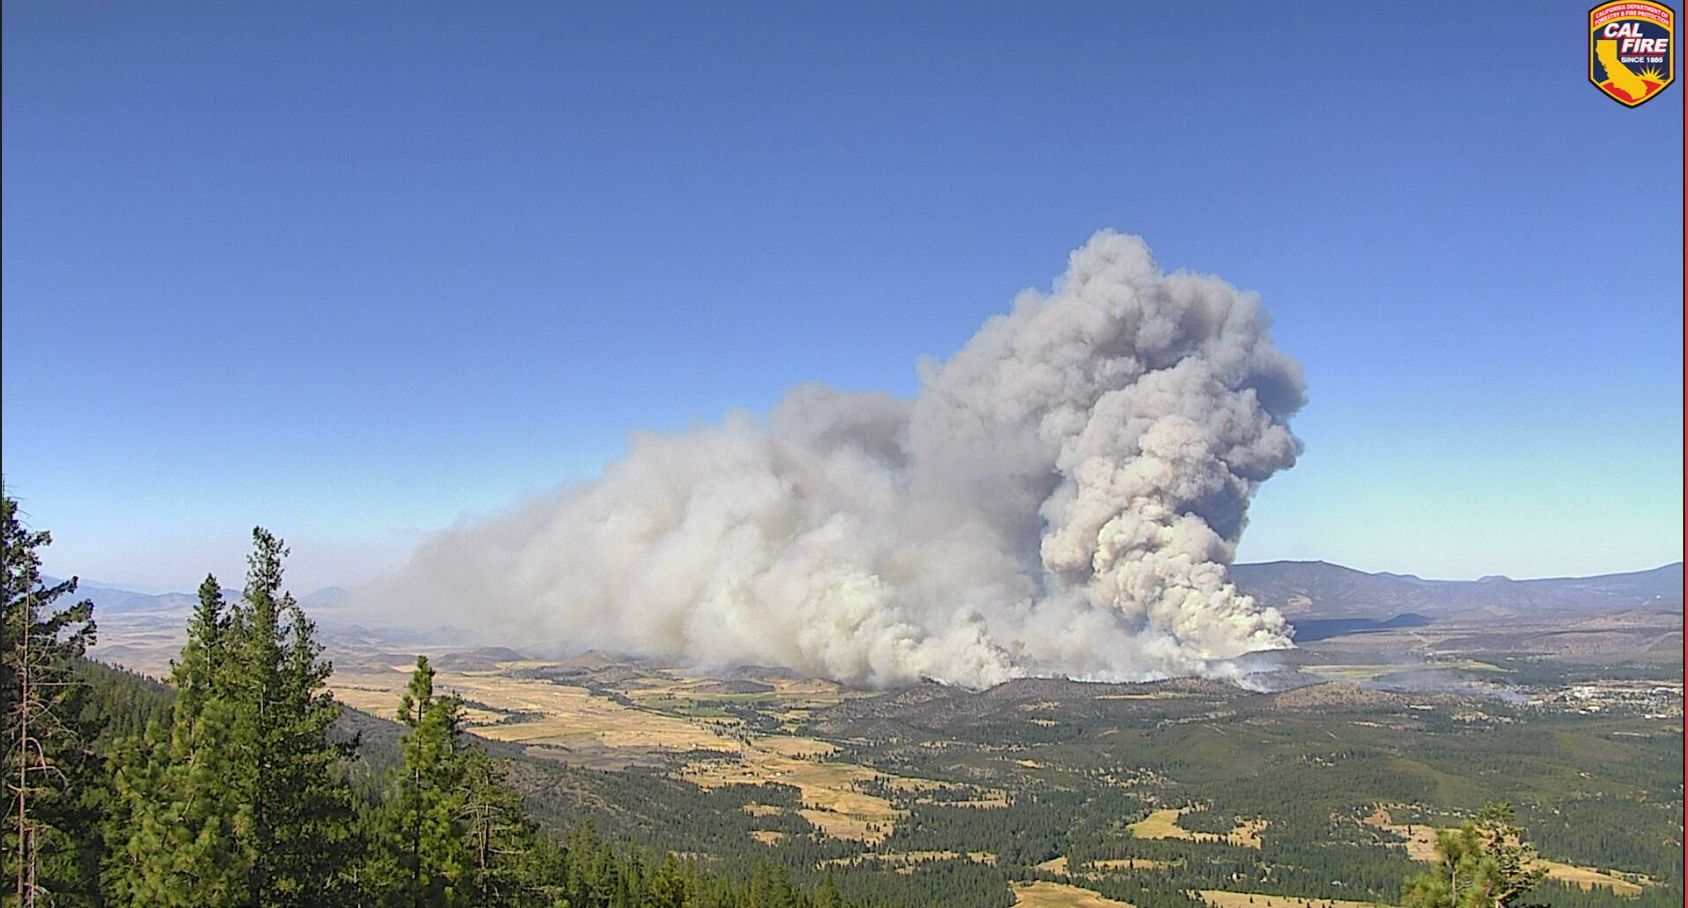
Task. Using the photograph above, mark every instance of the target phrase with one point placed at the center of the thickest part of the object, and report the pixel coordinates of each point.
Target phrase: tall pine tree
(47, 762)
(454, 833)
(178, 807)
(426, 807)
(1485, 863)
(240, 802)
(502, 840)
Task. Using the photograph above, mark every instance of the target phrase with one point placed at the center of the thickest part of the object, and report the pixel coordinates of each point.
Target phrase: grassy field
(1590, 878)
(1418, 839)
(1350, 672)
(564, 716)
(1098, 869)
(1221, 898)
(1059, 895)
(832, 800)
(831, 790)
(788, 701)
(1163, 824)
(671, 714)
(1420, 843)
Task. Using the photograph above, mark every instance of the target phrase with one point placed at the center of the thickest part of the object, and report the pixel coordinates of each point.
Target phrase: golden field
(1059, 895)
(1163, 824)
(1420, 843)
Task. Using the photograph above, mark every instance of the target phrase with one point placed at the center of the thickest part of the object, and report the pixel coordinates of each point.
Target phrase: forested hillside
(239, 783)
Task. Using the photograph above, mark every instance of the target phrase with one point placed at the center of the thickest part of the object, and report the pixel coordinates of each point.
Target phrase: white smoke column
(1062, 497)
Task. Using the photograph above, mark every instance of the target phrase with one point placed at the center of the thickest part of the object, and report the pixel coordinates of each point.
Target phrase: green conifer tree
(1483, 864)
(426, 809)
(47, 762)
(174, 832)
(501, 838)
(240, 801)
(827, 895)
(297, 831)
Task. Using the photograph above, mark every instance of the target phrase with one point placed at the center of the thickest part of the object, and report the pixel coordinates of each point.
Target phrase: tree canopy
(49, 764)
(1485, 863)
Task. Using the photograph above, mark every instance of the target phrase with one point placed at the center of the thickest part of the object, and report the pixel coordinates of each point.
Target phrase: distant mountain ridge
(111, 599)
(1307, 592)
(1320, 590)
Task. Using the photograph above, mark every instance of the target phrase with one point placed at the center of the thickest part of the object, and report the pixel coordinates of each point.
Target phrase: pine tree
(456, 833)
(240, 801)
(770, 887)
(827, 895)
(500, 835)
(174, 832)
(297, 830)
(667, 887)
(48, 764)
(196, 673)
(427, 806)
(1483, 864)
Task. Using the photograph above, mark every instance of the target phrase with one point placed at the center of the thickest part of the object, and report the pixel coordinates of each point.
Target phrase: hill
(108, 599)
(1320, 590)
(1315, 590)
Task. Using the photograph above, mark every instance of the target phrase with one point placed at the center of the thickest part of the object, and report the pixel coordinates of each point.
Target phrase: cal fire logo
(1631, 50)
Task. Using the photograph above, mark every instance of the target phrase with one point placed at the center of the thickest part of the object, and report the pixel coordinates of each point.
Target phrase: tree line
(232, 787)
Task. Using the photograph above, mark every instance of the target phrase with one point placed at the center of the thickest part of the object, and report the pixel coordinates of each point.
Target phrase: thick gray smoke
(1062, 497)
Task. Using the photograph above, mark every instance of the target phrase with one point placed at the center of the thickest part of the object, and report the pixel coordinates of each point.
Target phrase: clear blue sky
(353, 271)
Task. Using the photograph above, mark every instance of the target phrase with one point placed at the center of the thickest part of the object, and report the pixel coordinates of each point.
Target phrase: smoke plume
(1063, 496)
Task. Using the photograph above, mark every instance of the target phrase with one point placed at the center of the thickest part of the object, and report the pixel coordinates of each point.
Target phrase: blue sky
(354, 271)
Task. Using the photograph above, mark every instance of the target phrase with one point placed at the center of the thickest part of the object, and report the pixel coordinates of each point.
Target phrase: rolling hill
(1320, 590)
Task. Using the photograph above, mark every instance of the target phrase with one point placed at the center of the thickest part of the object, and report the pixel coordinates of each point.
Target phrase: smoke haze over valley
(1062, 497)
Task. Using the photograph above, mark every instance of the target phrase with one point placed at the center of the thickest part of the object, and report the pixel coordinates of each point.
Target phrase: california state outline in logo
(1631, 50)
